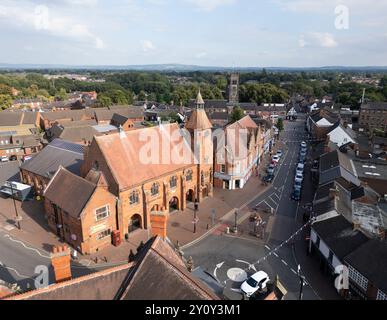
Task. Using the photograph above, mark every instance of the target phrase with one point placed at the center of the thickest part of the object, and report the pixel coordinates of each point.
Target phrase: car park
(257, 282)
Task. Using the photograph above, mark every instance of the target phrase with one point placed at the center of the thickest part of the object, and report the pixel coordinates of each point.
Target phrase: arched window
(155, 189)
(173, 182)
(189, 175)
(134, 198)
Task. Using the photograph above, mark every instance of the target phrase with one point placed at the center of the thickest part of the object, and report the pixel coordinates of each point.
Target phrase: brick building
(81, 212)
(373, 116)
(146, 185)
(235, 163)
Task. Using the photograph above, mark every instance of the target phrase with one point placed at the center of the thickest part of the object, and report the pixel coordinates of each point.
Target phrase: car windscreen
(252, 283)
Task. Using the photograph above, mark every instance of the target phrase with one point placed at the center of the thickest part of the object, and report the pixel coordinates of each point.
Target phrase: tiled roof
(371, 261)
(69, 192)
(157, 274)
(122, 151)
(57, 153)
(198, 120)
(374, 106)
(339, 235)
(9, 171)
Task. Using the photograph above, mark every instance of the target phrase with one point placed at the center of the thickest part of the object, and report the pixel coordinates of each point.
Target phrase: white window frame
(109, 232)
(381, 296)
(107, 207)
(358, 278)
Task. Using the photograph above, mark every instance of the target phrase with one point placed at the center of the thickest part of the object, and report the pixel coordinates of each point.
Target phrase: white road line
(275, 202)
(16, 272)
(28, 248)
(268, 248)
(268, 204)
(276, 255)
(284, 262)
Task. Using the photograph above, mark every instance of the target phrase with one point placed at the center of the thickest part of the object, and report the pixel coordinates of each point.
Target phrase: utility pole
(14, 204)
(302, 282)
(195, 214)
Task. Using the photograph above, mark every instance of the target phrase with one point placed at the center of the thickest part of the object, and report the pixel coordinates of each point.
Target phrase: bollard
(228, 230)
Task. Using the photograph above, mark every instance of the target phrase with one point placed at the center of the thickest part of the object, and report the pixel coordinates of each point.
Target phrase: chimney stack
(60, 261)
(158, 221)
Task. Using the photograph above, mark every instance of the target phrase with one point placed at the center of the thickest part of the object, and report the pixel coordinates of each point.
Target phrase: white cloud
(147, 45)
(209, 5)
(201, 55)
(317, 39)
(42, 19)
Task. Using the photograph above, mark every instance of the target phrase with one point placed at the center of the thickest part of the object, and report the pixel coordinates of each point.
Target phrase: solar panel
(65, 145)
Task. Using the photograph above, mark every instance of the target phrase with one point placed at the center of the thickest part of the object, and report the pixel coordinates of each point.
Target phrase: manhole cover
(237, 275)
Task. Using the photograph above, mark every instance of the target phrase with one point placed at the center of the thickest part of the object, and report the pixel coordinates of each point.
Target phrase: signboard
(98, 228)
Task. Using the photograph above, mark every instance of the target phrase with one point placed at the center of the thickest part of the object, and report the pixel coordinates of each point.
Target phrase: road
(20, 263)
(233, 259)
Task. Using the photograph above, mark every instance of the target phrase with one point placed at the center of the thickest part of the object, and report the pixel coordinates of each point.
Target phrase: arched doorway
(205, 192)
(190, 196)
(174, 204)
(135, 223)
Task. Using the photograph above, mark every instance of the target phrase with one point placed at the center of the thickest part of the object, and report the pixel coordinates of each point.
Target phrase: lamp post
(236, 222)
(18, 218)
(302, 282)
(195, 214)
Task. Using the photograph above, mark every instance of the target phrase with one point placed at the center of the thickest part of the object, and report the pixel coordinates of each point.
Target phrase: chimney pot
(158, 221)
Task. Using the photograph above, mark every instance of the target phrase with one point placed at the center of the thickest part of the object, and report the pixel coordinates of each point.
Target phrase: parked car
(280, 153)
(4, 159)
(276, 159)
(256, 282)
(303, 144)
(297, 185)
(300, 168)
(302, 159)
(270, 169)
(299, 177)
(296, 195)
(269, 178)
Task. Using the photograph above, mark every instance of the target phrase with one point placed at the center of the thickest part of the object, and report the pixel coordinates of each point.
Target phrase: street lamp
(195, 214)
(236, 222)
(302, 282)
(18, 218)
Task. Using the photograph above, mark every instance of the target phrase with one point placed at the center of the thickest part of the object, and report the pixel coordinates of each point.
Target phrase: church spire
(199, 101)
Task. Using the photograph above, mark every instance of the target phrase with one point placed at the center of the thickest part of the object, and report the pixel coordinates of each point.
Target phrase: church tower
(233, 89)
(200, 129)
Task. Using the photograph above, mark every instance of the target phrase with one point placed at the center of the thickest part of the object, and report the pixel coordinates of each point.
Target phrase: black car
(268, 179)
(296, 195)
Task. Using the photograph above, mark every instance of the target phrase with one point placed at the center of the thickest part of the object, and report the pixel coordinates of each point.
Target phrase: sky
(230, 33)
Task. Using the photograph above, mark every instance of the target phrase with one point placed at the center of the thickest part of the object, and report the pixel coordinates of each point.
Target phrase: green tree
(61, 95)
(237, 114)
(280, 125)
(104, 101)
(5, 101)
(4, 89)
(141, 96)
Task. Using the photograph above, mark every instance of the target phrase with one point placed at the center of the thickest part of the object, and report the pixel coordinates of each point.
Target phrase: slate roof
(374, 106)
(8, 119)
(324, 191)
(371, 261)
(158, 273)
(339, 235)
(69, 192)
(334, 165)
(210, 104)
(74, 134)
(176, 284)
(57, 153)
(323, 207)
(9, 171)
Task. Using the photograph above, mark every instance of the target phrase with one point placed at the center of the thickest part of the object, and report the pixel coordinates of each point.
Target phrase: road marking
(284, 262)
(15, 271)
(27, 247)
(275, 202)
(268, 248)
(251, 266)
(218, 266)
(276, 255)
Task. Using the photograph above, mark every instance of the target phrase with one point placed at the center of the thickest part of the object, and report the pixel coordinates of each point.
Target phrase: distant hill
(187, 68)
